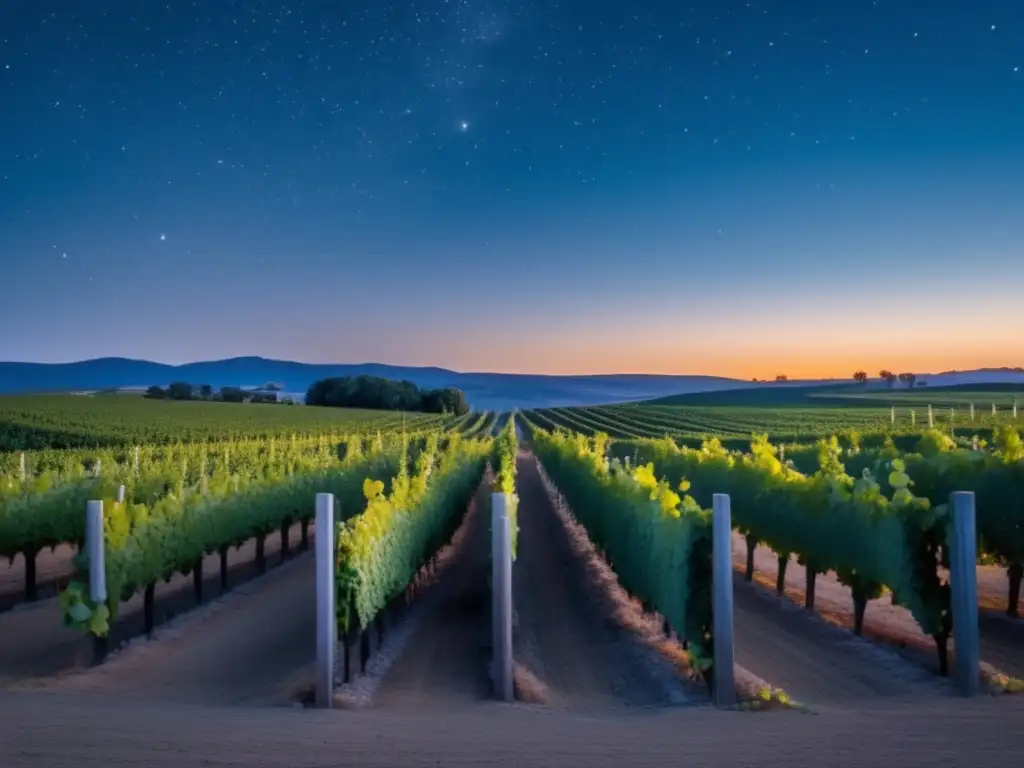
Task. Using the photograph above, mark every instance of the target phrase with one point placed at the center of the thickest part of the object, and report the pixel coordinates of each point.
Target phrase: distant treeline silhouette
(383, 394)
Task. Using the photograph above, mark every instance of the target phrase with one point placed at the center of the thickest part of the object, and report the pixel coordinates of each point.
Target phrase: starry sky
(573, 186)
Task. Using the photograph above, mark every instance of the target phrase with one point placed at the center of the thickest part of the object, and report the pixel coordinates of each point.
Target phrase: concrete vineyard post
(1015, 408)
(97, 468)
(993, 409)
(931, 418)
(501, 595)
(95, 551)
(326, 620)
(120, 494)
(724, 693)
(963, 580)
(892, 415)
(135, 461)
(972, 413)
(913, 419)
(23, 473)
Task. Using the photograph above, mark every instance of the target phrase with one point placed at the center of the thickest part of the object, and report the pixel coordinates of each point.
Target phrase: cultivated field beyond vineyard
(195, 641)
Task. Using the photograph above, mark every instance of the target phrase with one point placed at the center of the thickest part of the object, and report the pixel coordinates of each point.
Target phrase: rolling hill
(485, 391)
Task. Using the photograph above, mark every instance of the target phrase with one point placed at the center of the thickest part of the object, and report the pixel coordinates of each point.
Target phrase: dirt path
(81, 732)
(568, 635)
(34, 646)
(445, 662)
(1002, 639)
(247, 647)
(814, 662)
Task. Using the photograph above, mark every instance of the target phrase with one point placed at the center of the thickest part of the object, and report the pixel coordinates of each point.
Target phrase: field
(795, 414)
(208, 627)
(79, 421)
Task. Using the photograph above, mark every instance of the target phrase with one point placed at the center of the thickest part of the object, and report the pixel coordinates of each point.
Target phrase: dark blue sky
(521, 185)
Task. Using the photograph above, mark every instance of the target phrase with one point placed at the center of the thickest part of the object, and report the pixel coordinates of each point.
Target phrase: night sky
(515, 185)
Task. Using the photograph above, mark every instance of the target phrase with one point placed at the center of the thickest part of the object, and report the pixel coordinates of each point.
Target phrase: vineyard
(89, 421)
(170, 556)
(800, 423)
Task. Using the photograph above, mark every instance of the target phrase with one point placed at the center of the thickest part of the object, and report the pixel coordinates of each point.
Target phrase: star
(463, 126)
(163, 237)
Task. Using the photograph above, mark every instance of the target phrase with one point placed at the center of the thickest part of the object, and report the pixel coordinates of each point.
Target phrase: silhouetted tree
(206, 391)
(888, 376)
(180, 390)
(232, 395)
(156, 393)
(782, 377)
(860, 376)
(384, 394)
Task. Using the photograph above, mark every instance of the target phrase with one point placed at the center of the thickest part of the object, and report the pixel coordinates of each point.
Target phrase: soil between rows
(69, 730)
(1002, 639)
(35, 647)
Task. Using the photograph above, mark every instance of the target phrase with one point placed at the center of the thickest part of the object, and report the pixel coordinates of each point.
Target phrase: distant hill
(936, 388)
(485, 391)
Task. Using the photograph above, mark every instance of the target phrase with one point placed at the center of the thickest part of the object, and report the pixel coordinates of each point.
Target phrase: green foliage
(656, 540)
(149, 543)
(503, 459)
(40, 422)
(831, 521)
(377, 393)
(48, 508)
(382, 549)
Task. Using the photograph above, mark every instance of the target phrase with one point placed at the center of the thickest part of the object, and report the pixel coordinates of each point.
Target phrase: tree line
(373, 392)
(183, 390)
(890, 378)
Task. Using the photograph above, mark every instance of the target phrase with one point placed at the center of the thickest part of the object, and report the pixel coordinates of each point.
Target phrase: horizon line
(772, 380)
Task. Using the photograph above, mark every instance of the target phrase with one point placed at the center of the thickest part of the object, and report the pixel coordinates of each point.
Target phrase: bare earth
(35, 647)
(82, 732)
(445, 663)
(247, 648)
(1002, 639)
(52, 568)
(568, 633)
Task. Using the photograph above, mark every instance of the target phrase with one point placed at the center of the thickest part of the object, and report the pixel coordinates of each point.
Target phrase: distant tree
(860, 377)
(450, 400)
(911, 378)
(232, 395)
(781, 377)
(262, 397)
(272, 387)
(888, 377)
(156, 393)
(377, 393)
(206, 391)
(180, 390)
